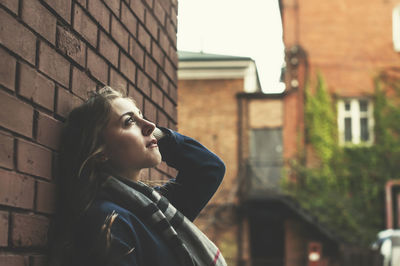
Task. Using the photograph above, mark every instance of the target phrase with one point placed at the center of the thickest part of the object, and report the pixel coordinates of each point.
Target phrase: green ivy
(345, 189)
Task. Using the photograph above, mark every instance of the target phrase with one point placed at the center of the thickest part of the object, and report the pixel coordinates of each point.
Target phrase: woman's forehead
(123, 105)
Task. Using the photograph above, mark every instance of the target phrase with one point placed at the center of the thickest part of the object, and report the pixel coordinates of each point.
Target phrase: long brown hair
(80, 168)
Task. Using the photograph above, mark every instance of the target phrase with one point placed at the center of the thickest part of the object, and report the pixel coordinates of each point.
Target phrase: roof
(200, 56)
(199, 65)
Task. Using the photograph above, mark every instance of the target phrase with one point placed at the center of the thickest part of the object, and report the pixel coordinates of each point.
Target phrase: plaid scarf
(189, 244)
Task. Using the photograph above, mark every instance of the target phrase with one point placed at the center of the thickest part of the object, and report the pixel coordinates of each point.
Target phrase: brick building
(221, 105)
(208, 112)
(52, 53)
(349, 43)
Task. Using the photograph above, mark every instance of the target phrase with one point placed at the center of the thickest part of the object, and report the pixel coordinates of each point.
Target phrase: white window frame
(355, 114)
(396, 28)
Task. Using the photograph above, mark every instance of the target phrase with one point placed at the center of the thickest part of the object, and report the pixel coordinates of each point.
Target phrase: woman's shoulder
(101, 210)
(102, 214)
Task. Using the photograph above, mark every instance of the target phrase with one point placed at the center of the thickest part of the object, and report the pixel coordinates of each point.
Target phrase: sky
(250, 28)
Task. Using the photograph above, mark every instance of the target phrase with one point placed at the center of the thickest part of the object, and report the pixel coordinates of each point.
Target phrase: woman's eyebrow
(127, 113)
(131, 114)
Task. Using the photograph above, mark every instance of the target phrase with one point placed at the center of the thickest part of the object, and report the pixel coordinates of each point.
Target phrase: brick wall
(348, 41)
(208, 112)
(210, 115)
(53, 52)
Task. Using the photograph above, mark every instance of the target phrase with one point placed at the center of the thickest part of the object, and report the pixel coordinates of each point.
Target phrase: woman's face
(129, 142)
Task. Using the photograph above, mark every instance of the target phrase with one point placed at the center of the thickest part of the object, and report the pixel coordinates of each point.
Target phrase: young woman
(106, 216)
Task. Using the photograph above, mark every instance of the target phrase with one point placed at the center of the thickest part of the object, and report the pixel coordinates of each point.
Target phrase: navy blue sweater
(200, 172)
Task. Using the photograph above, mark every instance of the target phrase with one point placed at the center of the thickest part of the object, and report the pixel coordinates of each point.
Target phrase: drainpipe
(389, 204)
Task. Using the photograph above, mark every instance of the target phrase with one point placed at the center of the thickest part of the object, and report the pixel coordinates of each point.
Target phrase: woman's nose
(147, 127)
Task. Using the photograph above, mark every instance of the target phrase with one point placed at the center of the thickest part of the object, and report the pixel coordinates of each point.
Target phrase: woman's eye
(129, 121)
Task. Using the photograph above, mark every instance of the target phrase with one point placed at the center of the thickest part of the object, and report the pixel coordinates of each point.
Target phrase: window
(396, 28)
(355, 121)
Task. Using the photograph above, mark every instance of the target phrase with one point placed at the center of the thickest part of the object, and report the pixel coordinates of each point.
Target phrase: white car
(388, 243)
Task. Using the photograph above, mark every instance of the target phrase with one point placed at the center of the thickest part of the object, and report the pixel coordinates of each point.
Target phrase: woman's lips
(152, 144)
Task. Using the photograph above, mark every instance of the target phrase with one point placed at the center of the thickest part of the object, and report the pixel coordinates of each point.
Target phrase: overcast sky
(250, 28)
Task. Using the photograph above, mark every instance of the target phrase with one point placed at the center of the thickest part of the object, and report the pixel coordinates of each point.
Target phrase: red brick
(39, 260)
(3, 228)
(137, 96)
(33, 159)
(119, 33)
(163, 81)
(144, 38)
(138, 8)
(159, 12)
(66, 102)
(15, 115)
(13, 260)
(100, 12)
(128, 68)
(150, 111)
(164, 42)
(170, 108)
(40, 19)
(16, 37)
(166, 4)
(16, 190)
(157, 96)
(171, 30)
(173, 55)
(62, 7)
(82, 2)
(143, 82)
(136, 52)
(114, 5)
(108, 49)
(97, 66)
(172, 125)
(128, 19)
(85, 26)
(117, 81)
(171, 72)
(72, 46)
(173, 94)
(157, 54)
(81, 83)
(162, 119)
(151, 68)
(11, 5)
(174, 17)
(7, 70)
(152, 25)
(53, 64)
(46, 196)
(150, 3)
(29, 230)
(48, 131)
(36, 87)
(6, 151)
